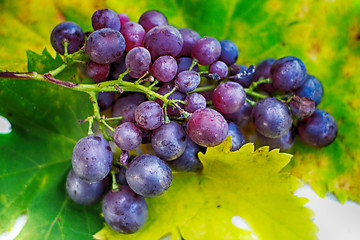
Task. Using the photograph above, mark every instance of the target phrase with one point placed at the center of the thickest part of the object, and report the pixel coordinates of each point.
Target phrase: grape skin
(149, 115)
(176, 95)
(184, 64)
(194, 101)
(151, 19)
(138, 60)
(164, 68)
(105, 18)
(97, 72)
(219, 68)
(229, 97)
(187, 81)
(262, 71)
(283, 143)
(206, 50)
(127, 136)
(189, 37)
(312, 88)
(126, 105)
(67, 31)
(229, 52)
(134, 35)
(237, 137)
(123, 18)
(242, 117)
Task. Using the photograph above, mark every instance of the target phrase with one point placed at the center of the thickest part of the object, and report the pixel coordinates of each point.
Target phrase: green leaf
(243, 183)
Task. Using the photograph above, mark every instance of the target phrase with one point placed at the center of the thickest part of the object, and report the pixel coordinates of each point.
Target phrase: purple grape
(271, 117)
(120, 175)
(151, 19)
(169, 141)
(83, 192)
(229, 52)
(184, 64)
(190, 37)
(67, 31)
(288, 73)
(194, 102)
(127, 136)
(220, 68)
(207, 95)
(318, 130)
(312, 88)
(207, 127)
(302, 107)
(134, 35)
(229, 97)
(97, 72)
(189, 160)
(163, 40)
(164, 68)
(242, 74)
(148, 175)
(123, 19)
(118, 67)
(284, 143)
(105, 45)
(105, 100)
(237, 137)
(206, 50)
(187, 81)
(126, 105)
(105, 18)
(138, 60)
(149, 115)
(262, 71)
(176, 95)
(92, 158)
(124, 210)
(242, 117)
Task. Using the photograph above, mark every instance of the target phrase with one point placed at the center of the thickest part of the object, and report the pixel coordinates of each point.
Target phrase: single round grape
(67, 31)
(301, 107)
(92, 158)
(189, 160)
(105, 45)
(207, 127)
(262, 71)
(148, 175)
(184, 64)
(194, 101)
(169, 141)
(105, 18)
(283, 143)
(229, 97)
(176, 95)
(127, 136)
(123, 19)
(237, 137)
(124, 210)
(105, 100)
(126, 105)
(229, 52)
(220, 68)
(242, 117)
(288, 73)
(245, 81)
(206, 50)
(271, 117)
(97, 72)
(138, 60)
(187, 81)
(163, 40)
(318, 130)
(134, 35)
(312, 88)
(151, 19)
(190, 37)
(149, 115)
(164, 68)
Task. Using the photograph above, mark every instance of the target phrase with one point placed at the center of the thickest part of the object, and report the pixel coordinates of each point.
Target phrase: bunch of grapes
(211, 97)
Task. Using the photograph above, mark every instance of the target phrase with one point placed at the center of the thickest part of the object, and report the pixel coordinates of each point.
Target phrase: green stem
(194, 62)
(203, 89)
(256, 84)
(114, 185)
(107, 125)
(113, 118)
(250, 92)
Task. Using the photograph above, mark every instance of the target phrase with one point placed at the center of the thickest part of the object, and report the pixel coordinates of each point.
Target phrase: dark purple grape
(284, 143)
(163, 40)
(105, 100)
(149, 115)
(242, 117)
(134, 35)
(187, 81)
(271, 117)
(124, 210)
(262, 71)
(164, 68)
(123, 19)
(127, 136)
(67, 31)
(207, 127)
(237, 137)
(117, 68)
(312, 88)
(105, 45)
(229, 52)
(190, 37)
(189, 160)
(302, 107)
(288, 73)
(120, 175)
(97, 72)
(206, 50)
(184, 64)
(318, 130)
(83, 192)
(92, 158)
(194, 101)
(220, 68)
(242, 74)
(176, 95)
(169, 141)
(229, 97)
(126, 105)
(151, 19)
(207, 95)
(148, 175)
(138, 60)
(105, 18)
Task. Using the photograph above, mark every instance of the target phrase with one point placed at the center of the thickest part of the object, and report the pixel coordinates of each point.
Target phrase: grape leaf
(245, 183)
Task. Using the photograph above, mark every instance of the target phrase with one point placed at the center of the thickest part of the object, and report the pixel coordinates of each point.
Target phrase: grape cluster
(210, 96)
